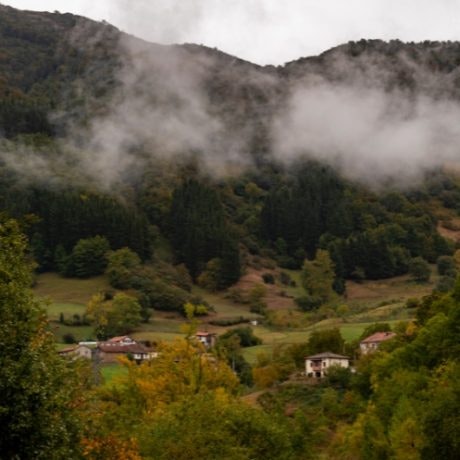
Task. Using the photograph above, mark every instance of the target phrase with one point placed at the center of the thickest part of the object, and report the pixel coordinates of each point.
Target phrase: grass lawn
(224, 307)
(297, 290)
(110, 372)
(80, 333)
(351, 331)
(250, 353)
(271, 338)
(54, 310)
(368, 302)
(159, 324)
(156, 336)
(68, 290)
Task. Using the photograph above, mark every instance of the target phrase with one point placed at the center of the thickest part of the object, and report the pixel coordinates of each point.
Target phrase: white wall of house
(83, 352)
(368, 347)
(315, 366)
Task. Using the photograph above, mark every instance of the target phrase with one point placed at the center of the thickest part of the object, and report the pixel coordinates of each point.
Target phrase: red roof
(204, 334)
(72, 349)
(120, 338)
(68, 349)
(379, 337)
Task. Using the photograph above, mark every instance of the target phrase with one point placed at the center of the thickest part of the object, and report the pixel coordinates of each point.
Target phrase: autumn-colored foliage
(110, 448)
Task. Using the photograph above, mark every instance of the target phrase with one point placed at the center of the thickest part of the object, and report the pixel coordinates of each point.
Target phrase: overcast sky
(268, 31)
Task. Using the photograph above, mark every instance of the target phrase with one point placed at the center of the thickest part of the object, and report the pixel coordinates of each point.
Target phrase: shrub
(445, 265)
(268, 278)
(308, 302)
(259, 307)
(285, 279)
(245, 334)
(231, 321)
(236, 295)
(445, 284)
(419, 269)
(89, 256)
(69, 338)
(412, 302)
(120, 265)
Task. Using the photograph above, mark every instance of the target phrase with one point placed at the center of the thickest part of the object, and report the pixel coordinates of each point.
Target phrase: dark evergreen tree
(199, 231)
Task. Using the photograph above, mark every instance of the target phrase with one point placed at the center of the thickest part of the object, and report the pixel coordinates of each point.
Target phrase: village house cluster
(111, 350)
(317, 365)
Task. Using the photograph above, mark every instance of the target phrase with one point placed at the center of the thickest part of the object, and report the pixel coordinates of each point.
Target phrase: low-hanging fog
(340, 110)
(372, 136)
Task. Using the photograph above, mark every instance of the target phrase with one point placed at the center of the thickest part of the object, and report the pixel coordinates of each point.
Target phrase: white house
(317, 365)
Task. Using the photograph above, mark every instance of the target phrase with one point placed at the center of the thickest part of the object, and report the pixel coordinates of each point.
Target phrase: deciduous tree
(38, 389)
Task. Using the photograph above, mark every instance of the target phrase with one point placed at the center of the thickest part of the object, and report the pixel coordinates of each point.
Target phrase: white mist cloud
(369, 134)
(160, 110)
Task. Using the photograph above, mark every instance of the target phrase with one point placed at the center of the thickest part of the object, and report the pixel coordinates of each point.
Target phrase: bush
(89, 257)
(285, 279)
(445, 265)
(308, 302)
(419, 269)
(287, 262)
(69, 338)
(259, 307)
(121, 264)
(245, 334)
(236, 295)
(445, 284)
(412, 302)
(268, 278)
(339, 377)
(161, 296)
(225, 322)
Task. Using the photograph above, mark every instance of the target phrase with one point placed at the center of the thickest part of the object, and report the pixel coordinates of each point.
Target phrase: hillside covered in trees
(174, 173)
(196, 162)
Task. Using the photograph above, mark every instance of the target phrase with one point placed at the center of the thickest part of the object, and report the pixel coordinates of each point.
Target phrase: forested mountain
(180, 172)
(103, 132)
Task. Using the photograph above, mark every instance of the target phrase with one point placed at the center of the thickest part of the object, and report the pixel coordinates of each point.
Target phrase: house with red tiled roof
(122, 340)
(208, 339)
(318, 365)
(371, 343)
(111, 350)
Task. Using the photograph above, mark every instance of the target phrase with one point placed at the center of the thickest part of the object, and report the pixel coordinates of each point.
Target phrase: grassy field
(54, 310)
(156, 336)
(272, 339)
(61, 290)
(110, 372)
(224, 308)
(69, 297)
(80, 333)
(368, 302)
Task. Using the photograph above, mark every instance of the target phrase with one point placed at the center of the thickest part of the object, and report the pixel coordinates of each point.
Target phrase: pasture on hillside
(367, 302)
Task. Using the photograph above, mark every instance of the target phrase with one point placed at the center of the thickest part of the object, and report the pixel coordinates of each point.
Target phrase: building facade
(317, 365)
